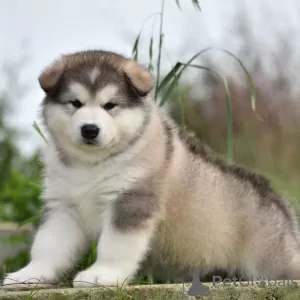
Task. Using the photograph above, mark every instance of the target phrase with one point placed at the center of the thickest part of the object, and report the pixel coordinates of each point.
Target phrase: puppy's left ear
(140, 78)
(49, 78)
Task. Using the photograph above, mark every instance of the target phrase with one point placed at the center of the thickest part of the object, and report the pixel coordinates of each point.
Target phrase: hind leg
(282, 262)
(292, 269)
(274, 257)
(286, 261)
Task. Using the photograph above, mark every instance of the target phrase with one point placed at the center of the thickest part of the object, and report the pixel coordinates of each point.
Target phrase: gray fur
(168, 131)
(260, 183)
(77, 70)
(133, 208)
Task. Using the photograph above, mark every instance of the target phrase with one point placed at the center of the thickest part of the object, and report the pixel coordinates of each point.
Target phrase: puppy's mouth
(90, 143)
(95, 144)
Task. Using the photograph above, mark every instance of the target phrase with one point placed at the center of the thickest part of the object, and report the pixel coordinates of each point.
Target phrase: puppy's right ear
(140, 79)
(49, 78)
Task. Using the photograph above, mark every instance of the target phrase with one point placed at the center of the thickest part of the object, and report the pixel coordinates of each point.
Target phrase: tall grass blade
(34, 184)
(169, 77)
(32, 293)
(31, 220)
(135, 49)
(170, 89)
(176, 73)
(159, 48)
(150, 66)
(182, 110)
(178, 4)
(250, 82)
(229, 110)
(196, 4)
(39, 131)
(93, 254)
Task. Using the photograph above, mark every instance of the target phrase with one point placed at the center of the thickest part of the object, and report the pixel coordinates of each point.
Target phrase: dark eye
(109, 105)
(76, 103)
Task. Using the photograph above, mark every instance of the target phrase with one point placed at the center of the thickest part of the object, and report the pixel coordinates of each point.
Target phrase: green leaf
(177, 72)
(250, 81)
(31, 220)
(135, 49)
(196, 4)
(168, 77)
(34, 184)
(18, 238)
(93, 254)
(170, 89)
(33, 292)
(160, 46)
(175, 75)
(39, 131)
(178, 4)
(150, 66)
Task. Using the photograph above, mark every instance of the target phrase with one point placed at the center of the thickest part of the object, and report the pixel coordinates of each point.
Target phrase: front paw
(100, 275)
(30, 277)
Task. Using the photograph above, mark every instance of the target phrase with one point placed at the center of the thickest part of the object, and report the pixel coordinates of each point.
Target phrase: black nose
(89, 131)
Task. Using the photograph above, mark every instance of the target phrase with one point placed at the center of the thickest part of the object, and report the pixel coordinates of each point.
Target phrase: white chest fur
(88, 191)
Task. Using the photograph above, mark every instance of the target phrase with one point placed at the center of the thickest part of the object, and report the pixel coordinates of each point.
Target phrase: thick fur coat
(120, 172)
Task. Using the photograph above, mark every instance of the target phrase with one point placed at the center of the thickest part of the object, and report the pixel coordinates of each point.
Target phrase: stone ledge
(155, 292)
(9, 226)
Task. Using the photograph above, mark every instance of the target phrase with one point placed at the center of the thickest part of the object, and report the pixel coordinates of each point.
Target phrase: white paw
(100, 275)
(29, 277)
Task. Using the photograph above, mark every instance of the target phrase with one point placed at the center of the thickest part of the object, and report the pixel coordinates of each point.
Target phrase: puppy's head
(95, 100)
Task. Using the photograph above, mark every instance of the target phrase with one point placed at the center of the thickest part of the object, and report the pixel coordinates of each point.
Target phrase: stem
(229, 134)
(160, 48)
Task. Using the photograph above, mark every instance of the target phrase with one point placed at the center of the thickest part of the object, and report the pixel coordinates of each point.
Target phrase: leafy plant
(164, 88)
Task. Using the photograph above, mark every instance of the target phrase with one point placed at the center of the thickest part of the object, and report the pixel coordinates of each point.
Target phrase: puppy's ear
(49, 78)
(140, 79)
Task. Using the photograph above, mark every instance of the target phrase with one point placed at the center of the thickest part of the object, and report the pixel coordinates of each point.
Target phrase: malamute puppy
(119, 171)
